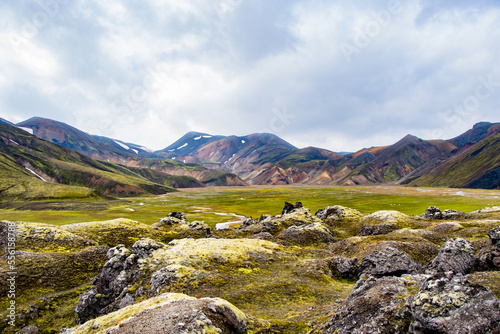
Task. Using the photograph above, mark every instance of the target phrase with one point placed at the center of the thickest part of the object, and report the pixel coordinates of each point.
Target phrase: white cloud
(231, 67)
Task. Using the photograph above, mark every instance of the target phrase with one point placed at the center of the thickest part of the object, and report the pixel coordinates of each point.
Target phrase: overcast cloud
(340, 75)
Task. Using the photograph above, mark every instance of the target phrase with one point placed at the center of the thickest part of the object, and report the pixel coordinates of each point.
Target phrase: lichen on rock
(169, 313)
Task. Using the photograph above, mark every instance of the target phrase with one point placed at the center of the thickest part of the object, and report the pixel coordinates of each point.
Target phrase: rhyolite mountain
(33, 168)
(128, 154)
(478, 166)
(267, 159)
(97, 147)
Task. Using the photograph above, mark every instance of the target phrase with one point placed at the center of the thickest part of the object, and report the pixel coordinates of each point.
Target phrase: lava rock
(172, 218)
(457, 255)
(109, 285)
(388, 262)
(490, 257)
(432, 213)
(307, 234)
(337, 213)
(494, 235)
(145, 246)
(377, 229)
(449, 303)
(289, 207)
(376, 305)
(452, 214)
(343, 267)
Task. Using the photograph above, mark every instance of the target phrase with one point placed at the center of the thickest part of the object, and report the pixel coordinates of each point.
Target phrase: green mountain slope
(36, 169)
(476, 167)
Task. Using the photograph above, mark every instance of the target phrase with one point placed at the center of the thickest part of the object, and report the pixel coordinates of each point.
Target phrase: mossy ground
(251, 202)
(279, 294)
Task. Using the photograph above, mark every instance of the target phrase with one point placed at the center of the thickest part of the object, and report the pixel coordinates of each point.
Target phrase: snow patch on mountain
(29, 130)
(32, 171)
(186, 144)
(122, 145)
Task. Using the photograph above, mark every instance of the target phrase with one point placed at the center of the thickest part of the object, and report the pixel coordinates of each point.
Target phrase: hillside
(96, 147)
(33, 168)
(476, 167)
(180, 175)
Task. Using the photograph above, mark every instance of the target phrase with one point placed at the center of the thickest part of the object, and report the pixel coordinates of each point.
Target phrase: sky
(340, 75)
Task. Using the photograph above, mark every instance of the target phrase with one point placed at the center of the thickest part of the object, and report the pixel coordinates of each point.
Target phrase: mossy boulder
(385, 221)
(275, 224)
(449, 303)
(332, 214)
(376, 305)
(457, 255)
(169, 313)
(118, 231)
(208, 252)
(420, 250)
(36, 237)
(307, 235)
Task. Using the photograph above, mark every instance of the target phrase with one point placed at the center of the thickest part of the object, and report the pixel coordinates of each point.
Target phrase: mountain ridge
(264, 158)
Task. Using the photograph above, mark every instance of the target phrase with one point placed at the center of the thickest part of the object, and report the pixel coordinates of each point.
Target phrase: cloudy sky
(340, 75)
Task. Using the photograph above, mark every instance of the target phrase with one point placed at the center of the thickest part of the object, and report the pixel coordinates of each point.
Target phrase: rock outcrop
(388, 262)
(490, 257)
(109, 287)
(457, 255)
(383, 222)
(449, 303)
(169, 313)
(289, 207)
(376, 305)
(435, 213)
(171, 219)
(335, 213)
(307, 234)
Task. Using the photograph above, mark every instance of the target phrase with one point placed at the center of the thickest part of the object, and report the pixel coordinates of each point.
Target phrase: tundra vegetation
(342, 260)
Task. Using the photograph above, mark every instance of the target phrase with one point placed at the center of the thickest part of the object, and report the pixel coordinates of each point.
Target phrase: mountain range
(56, 152)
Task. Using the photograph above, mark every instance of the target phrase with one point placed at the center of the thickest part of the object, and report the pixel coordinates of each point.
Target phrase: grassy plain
(203, 203)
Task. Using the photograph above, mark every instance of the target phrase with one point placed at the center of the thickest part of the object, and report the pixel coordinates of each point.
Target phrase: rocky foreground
(337, 271)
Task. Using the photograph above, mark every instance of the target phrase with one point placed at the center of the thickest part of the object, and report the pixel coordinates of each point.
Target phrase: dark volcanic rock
(388, 262)
(490, 257)
(432, 213)
(383, 228)
(187, 316)
(263, 236)
(343, 267)
(170, 219)
(109, 285)
(494, 235)
(457, 255)
(448, 303)
(289, 207)
(29, 330)
(146, 246)
(452, 214)
(376, 305)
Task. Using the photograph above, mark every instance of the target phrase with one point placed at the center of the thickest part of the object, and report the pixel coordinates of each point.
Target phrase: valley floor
(280, 272)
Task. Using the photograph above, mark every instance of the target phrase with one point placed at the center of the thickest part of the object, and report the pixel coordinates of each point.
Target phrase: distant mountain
(127, 154)
(256, 158)
(96, 147)
(476, 167)
(32, 168)
(398, 160)
(198, 159)
(4, 121)
(480, 131)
